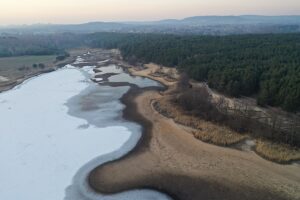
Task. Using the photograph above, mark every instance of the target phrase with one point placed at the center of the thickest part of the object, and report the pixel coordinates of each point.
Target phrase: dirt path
(171, 160)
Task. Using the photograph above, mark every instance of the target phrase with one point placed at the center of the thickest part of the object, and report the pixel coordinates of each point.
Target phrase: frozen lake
(55, 128)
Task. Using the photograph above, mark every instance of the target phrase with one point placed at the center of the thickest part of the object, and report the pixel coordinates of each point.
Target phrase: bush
(198, 101)
(63, 56)
(42, 66)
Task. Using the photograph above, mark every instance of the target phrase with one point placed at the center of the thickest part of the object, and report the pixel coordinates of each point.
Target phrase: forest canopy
(21, 45)
(265, 66)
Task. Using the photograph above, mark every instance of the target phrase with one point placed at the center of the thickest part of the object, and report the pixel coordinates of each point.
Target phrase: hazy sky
(77, 11)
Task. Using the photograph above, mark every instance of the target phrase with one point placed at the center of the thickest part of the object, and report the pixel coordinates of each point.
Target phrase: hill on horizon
(211, 25)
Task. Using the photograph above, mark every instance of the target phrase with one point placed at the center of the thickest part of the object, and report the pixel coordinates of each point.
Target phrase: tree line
(264, 66)
(55, 44)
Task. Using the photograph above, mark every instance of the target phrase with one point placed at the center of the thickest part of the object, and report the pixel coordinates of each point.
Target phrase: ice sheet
(42, 146)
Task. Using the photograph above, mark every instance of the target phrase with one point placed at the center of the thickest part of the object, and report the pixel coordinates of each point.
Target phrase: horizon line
(141, 21)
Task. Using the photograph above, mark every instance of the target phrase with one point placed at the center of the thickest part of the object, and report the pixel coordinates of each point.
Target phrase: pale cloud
(76, 11)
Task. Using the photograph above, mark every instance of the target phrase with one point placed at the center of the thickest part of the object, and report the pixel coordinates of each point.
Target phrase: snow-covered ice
(48, 144)
(79, 60)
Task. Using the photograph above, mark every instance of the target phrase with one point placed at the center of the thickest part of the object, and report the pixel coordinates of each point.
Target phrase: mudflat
(169, 159)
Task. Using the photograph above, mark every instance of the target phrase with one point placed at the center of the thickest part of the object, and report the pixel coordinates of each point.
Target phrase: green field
(19, 61)
(10, 66)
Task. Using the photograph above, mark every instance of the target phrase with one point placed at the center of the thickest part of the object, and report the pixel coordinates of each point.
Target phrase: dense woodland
(20, 45)
(264, 66)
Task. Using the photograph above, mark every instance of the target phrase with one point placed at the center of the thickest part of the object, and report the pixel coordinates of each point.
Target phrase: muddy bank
(169, 159)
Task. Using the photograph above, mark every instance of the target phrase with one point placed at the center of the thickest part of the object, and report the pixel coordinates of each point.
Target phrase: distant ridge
(216, 25)
(245, 19)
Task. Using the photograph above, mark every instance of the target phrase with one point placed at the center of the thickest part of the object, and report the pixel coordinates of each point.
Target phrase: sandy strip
(170, 159)
(3, 79)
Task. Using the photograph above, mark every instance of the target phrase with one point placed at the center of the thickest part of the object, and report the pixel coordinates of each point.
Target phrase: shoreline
(79, 188)
(130, 113)
(100, 181)
(240, 137)
(80, 185)
(153, 163)
(20, 80)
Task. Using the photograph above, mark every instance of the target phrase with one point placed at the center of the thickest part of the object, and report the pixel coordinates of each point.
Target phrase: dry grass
(203, 130)
(280, 153)
(221, 135)
(208, 131)
(218, 135)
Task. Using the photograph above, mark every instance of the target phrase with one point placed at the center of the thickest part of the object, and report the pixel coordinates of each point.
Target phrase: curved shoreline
(80, 187)
(84, 189)
(132, 113)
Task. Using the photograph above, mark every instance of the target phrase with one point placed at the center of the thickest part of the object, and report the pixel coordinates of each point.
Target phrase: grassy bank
(9, 62)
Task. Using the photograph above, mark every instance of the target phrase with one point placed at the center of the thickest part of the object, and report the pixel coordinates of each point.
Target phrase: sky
(80, 11)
